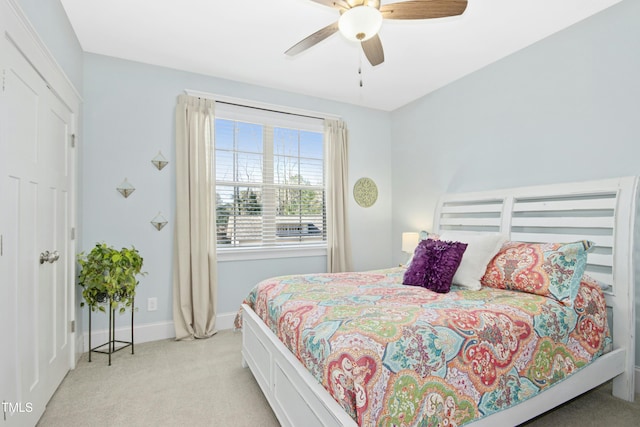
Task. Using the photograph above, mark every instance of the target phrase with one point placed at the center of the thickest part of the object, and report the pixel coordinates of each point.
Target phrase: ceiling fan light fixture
(360, 23)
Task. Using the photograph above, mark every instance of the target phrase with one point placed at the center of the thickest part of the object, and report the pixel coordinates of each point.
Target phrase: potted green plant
(108, 274)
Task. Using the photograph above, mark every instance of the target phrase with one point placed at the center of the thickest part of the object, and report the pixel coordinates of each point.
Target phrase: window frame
(259, 113)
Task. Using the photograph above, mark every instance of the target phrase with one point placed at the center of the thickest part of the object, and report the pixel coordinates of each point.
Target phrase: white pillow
(481, 248)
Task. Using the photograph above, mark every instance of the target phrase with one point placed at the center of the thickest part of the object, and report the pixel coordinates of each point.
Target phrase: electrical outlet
(152, 304)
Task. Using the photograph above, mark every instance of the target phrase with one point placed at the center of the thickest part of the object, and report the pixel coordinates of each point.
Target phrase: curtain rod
(269, 110)
(261, 106)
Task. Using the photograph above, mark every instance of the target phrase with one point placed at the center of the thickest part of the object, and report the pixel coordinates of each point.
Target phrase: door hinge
(73, 233)
(73, 326)
(73, 140)
(1, 245)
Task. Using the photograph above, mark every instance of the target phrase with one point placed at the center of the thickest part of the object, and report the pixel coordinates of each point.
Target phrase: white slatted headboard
(601, 211)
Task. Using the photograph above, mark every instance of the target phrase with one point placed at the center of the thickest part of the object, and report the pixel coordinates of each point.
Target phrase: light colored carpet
(202, 383)
(165, 383)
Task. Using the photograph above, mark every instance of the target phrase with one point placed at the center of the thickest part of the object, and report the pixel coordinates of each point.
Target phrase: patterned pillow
(434, 264)
(547, 269)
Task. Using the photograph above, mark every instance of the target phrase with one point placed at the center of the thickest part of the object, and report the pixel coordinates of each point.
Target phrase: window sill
(245, 254)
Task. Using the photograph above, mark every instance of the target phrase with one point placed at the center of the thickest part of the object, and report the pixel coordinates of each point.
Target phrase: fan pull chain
(360, 74)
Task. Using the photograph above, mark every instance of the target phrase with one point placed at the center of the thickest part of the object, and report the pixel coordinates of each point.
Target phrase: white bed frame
(602, 211)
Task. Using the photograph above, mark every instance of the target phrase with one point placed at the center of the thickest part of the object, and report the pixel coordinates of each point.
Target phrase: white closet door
(35, 213)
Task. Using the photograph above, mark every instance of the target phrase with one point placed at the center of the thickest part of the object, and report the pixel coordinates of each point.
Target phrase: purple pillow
(434, 264)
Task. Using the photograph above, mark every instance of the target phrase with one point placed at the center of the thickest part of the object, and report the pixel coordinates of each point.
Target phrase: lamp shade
(360, 23)
(409, 242)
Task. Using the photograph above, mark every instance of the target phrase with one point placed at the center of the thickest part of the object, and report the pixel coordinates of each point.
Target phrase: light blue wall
(129, 113)
(52, 25)
(564, 109)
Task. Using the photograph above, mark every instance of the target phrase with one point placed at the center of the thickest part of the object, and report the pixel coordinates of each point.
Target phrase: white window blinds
(270, 184)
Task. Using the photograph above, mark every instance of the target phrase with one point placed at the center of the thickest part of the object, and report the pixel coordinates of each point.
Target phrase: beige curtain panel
(194, 269)
(338, 241)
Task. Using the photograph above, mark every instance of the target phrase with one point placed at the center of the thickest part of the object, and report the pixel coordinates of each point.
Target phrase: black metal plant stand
(111, 343)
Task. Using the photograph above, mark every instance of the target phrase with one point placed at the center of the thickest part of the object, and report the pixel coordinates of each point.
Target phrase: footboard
(295, 396)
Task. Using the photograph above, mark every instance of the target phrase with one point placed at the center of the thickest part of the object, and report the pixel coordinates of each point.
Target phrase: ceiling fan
(360, 21)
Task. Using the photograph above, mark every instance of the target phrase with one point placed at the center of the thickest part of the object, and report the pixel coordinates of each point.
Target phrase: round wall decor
(365, 192)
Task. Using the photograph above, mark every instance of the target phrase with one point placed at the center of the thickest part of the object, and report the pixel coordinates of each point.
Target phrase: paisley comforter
(397, 355)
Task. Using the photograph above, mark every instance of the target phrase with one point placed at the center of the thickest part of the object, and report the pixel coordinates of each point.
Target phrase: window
(270, 184)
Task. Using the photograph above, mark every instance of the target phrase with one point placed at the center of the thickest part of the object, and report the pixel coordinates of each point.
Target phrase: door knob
(49, 257)
(53, 257)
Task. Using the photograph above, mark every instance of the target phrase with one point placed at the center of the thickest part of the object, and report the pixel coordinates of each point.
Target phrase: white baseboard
(225, 321)
(146, 332)
(141, 333)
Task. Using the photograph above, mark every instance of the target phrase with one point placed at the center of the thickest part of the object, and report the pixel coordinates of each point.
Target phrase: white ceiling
(245, 40)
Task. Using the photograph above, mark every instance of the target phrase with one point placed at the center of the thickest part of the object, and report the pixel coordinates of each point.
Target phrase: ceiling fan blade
(313, 39)
(373, 50)
(336, 4)
(423, 9)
